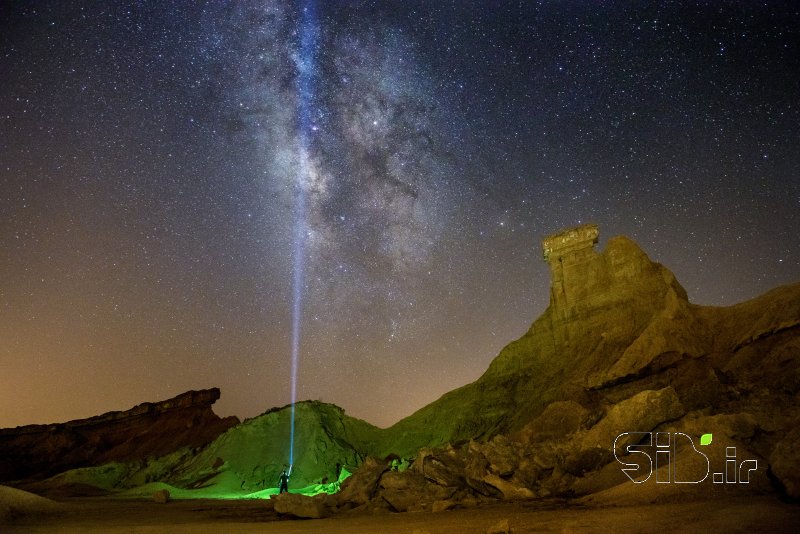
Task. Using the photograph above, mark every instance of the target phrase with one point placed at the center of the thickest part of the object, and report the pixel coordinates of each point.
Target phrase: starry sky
(152, 155)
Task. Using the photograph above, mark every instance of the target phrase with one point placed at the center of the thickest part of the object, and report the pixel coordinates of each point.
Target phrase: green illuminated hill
(254, 452)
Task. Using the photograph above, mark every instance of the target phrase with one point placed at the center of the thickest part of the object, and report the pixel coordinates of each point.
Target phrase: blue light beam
(305, 94)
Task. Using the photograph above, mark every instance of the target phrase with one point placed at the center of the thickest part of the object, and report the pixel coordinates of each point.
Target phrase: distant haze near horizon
(150, 156)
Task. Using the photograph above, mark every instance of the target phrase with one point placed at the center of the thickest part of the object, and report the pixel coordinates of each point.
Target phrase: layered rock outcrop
(600, 305)
(620, 348)
(147, 430)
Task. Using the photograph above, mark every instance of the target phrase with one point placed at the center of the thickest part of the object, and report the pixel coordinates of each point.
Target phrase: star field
(149, 156)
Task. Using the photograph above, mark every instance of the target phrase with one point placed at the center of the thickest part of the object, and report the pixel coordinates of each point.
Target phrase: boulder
(639, 413)
(785, 463)
(301, 506)
(527, 473)
(509, 489)
(441, 466)
(362, 486)
(558, 420)
(411, 492)
(476, 466)
(404, 492)
(443, 505)
(501, 527)
(161, 496)
(583, 461)
(503, 455)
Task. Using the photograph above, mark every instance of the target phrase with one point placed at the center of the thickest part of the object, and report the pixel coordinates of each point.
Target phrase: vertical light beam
(305, 97)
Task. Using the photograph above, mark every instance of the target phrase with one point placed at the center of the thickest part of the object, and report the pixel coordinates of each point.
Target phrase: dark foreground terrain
(734, 514)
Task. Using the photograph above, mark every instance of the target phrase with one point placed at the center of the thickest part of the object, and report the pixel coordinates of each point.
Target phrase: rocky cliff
(600, 304)
(620, 348)
(147, 430)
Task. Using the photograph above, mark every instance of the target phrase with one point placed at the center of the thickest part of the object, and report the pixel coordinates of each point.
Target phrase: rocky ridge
(148, 430)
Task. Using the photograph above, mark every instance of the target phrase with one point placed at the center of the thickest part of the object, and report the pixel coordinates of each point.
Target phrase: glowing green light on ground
(219, 492)
(311, 490)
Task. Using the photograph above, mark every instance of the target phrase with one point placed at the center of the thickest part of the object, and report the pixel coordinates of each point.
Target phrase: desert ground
(745, 514)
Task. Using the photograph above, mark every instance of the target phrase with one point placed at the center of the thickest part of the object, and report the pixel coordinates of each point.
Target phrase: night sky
(153, 156)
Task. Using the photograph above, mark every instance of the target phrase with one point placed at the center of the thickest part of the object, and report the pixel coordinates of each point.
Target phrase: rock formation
(619, 349)
(148, 430)
(600, 304)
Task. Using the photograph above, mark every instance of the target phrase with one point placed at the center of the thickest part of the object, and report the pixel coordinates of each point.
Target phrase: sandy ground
(761, 514)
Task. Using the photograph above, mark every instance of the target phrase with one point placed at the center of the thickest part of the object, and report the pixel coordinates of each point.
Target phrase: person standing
(284, 482)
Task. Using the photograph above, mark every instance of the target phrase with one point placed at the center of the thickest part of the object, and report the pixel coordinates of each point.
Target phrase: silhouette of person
(284, 486)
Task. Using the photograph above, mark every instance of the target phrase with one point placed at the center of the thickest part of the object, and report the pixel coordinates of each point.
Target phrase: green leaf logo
(705, 439)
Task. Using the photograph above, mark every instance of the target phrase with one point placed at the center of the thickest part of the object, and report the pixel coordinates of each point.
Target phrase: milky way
(151, 158)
